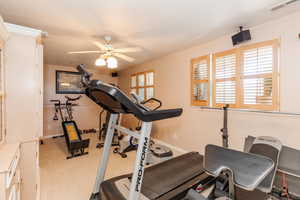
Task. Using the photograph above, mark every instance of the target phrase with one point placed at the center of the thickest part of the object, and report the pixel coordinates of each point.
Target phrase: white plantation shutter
(224, 78)
(200, 80)
(259, 76)
(200, 70)
(226, 66)
(244, 77)
(257, 91)
(258, 61)
(225, 92)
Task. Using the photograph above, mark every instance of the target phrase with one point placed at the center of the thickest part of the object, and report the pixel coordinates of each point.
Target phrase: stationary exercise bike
(76, 146)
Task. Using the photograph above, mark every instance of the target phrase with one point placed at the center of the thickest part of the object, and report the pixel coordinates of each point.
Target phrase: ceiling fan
(108, 53)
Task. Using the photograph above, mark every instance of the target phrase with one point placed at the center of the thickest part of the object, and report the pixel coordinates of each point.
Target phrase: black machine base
(77, 148)
(94, 196)
(77, 155)
(76, 145)
(101, 145)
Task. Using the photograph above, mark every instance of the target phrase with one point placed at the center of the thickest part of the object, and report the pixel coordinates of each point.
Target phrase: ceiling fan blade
(124, 57)
(100, 45)
(84, 52)
(129, 49)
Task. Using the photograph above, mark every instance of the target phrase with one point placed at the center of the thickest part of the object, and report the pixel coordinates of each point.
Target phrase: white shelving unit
(10, 176)
(21, 113)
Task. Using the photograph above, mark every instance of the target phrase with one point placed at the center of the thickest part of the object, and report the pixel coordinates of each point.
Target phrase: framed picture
(68, 83)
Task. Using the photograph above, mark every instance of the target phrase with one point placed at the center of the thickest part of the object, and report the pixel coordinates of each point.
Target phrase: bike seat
(248, 170)
(73, 99)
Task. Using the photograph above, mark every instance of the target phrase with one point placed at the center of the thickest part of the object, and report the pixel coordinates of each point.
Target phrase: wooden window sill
(248, 110)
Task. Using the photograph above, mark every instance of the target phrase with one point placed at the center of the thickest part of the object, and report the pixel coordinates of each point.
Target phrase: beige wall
(86, 114)
(198, 127)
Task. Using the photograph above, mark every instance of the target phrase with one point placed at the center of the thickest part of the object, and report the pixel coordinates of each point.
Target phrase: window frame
(194, 61)
(239, 77)
(137, 87)
(274, 75)
(235, 78)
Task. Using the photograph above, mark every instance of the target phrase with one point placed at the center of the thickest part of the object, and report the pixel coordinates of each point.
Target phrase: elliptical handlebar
(56, 101)
(153, 99)
(85, 75)
(137, 98)
(139, 101)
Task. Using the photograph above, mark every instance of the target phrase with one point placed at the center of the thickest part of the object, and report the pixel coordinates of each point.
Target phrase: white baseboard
(174, 148)
(51, 136)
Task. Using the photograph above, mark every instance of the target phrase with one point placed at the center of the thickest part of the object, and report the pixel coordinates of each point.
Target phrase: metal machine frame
(75, 147)
(115, 101)
(140, 162)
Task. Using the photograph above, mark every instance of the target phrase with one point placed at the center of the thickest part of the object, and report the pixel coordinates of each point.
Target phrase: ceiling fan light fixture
(108, 54)
(112, 62)
(100, 62)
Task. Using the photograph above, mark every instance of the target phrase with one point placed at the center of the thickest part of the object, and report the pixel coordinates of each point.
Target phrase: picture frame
(68, 82)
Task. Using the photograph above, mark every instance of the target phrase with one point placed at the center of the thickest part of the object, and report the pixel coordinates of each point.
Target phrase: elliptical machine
(103, 130)
(129, 143)
(157, 153)
(76, 146)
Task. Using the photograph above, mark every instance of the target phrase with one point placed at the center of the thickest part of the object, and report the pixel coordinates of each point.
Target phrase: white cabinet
(3, 39)
(23, 58)
(30, 170)
(3, 33)
(10, 177)
(23, 84)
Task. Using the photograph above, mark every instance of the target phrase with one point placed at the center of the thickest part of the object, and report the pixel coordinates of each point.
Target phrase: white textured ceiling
(158, 26)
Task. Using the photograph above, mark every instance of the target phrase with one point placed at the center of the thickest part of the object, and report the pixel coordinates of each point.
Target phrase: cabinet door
(39, 77)
(29, 170)
(21, 88)
(2, 99)
(13, 193)
(38, 177)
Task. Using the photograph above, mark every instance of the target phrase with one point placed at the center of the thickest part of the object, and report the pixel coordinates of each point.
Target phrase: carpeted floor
(73, 179)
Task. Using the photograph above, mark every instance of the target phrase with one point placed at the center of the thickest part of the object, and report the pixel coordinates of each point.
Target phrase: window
(224, 78)
(259, 76)
(200, 81)
(245, 77)
(143, 84)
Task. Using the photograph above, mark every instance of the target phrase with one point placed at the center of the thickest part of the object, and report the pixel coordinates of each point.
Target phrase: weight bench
(250, 174)
(271, 148)
(244, 170)
(76, 145)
